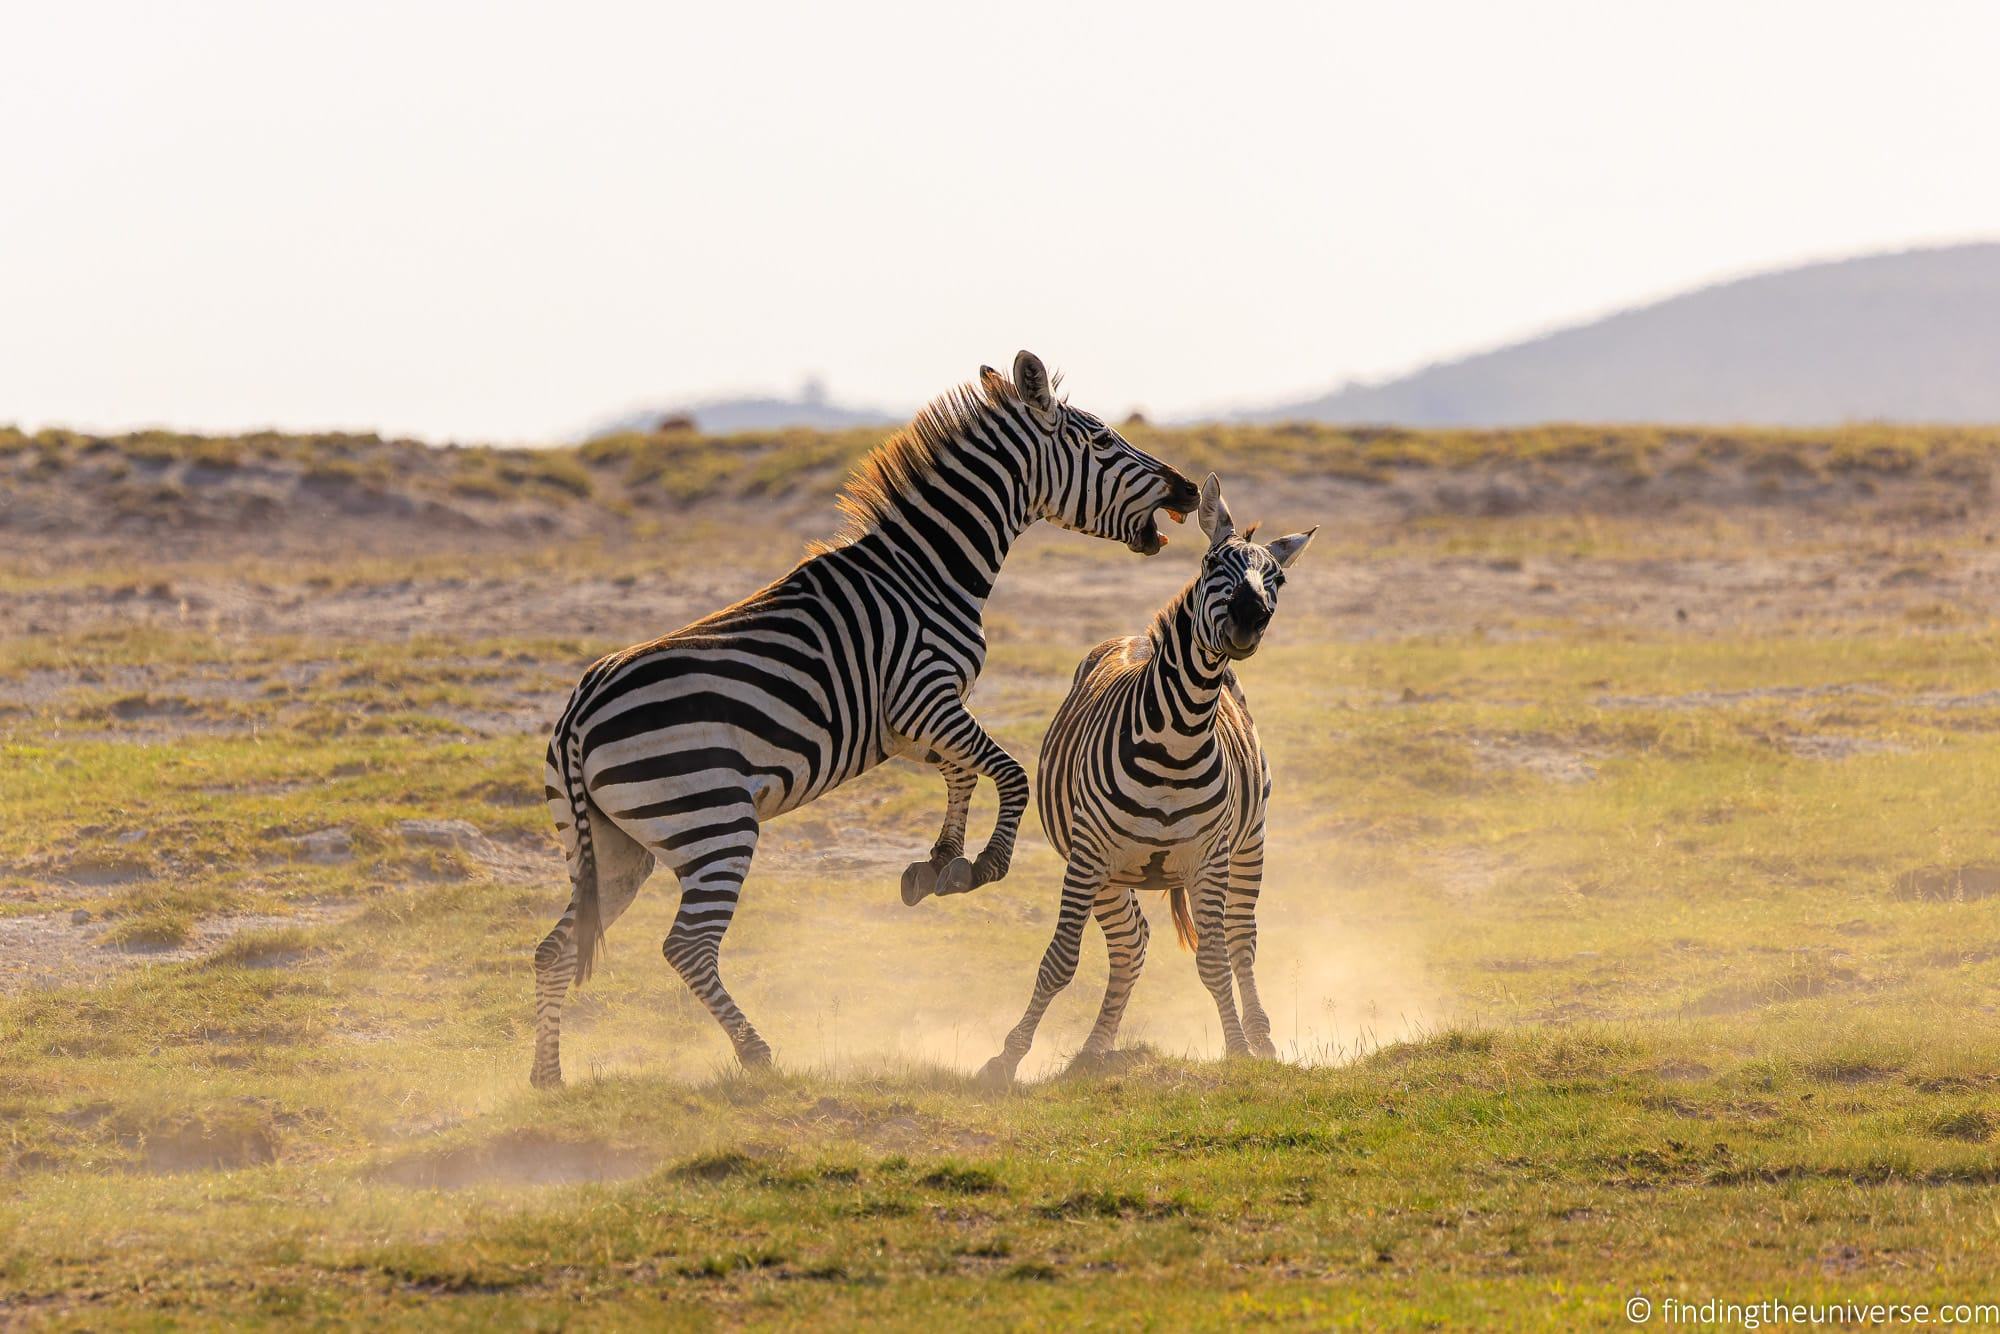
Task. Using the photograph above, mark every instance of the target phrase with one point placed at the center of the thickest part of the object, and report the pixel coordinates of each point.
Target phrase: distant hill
(1912, 336)
(727, 416)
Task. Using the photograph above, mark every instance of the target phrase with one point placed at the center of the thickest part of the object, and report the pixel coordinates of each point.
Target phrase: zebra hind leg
(622, 866)
(947, 871)
(1125, 937)
(711, 883)
(1239, 925)
(1211, 959)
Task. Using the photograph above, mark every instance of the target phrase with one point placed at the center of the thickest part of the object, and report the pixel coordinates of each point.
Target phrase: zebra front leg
(620, 866)
(1082, 882)
(920, 879)
(1125, 937)
(1211, 952)
(957, 739)
(713, 862)
(1239, 927)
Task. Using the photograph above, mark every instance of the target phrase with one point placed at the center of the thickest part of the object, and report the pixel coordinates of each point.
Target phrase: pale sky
(503, 221)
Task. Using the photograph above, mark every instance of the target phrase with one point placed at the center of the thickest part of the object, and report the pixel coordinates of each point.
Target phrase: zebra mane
(893, 466)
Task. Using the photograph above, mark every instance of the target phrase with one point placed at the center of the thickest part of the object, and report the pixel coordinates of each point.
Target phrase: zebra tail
(1177, 899)
(589, 925)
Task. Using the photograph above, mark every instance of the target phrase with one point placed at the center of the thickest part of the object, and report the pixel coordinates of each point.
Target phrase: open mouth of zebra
(1149, 539)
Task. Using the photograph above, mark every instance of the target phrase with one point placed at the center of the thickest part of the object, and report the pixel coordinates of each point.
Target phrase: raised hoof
(997, 1073)
(919, 883)
(955, 877)
(755, 1055)
(921, 880)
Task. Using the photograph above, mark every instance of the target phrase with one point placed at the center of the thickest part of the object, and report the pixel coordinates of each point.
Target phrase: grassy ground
(1609, 956)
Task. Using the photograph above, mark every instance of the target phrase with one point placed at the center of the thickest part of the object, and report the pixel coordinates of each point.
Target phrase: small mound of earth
(522, 1159)
(1974, 880)
(516, 861)
(195, 1148)
(441, 833)
(96, 870)
(137, 707)
(325, 846)
(1682, 1071)
(895, 1127)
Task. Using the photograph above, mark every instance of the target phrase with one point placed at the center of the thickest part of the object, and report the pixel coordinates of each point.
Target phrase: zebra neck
(949, 532)
(1183, 683)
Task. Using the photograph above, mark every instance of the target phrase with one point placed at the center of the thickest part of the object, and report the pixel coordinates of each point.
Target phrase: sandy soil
(264, 549)
(1921, 552)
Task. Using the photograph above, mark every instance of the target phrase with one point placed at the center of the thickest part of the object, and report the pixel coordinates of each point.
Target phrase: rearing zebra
(677, 751)
(1152, 777)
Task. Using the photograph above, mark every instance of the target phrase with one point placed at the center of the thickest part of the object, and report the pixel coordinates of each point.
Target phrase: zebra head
(1094, 481)
(1237, 590)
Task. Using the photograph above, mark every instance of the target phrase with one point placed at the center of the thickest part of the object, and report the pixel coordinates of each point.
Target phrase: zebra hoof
(919, 883)
(545, 1079)
(754, 1055)
(955, 877)
(1264, 1049)
(997, 1073)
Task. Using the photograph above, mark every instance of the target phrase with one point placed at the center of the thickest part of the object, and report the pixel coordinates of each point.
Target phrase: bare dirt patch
(1951, 884)
(67, 948)
(198, 1148)
(1468, 873)
(520, 1159)
(1543, 757)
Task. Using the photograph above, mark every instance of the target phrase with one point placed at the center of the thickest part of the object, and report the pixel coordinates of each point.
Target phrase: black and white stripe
(1152, 777)
(675, 752)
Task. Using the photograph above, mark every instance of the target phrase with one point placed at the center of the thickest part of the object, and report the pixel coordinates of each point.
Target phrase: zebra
(1152, 777)
(677, 751)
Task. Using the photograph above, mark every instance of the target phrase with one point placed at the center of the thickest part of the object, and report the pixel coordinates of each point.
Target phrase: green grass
(1589, 950)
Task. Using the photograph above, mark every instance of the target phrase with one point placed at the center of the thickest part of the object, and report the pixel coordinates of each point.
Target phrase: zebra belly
(1161, 868)
(1164, 831)
(684, 747)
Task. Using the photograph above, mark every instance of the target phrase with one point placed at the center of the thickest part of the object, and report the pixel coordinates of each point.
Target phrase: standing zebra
(678, 750)
(1152, 777)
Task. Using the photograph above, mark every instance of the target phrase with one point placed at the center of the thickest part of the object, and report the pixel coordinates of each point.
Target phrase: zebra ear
(993, 382)
(1032, 379)
(1214, 512)
(1285, 550)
